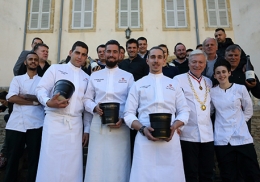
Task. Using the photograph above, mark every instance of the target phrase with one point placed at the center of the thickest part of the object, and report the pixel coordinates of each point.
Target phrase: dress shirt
(230, 123)
(24, 117)
(80, 80)
(108, 85)
(199, 127)
(155, 93)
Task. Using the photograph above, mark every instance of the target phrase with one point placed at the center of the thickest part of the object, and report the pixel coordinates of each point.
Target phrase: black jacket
(138, 67)
(183, 67)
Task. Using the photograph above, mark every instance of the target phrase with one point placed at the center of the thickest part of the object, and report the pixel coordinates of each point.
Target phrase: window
(217, 13)
(129, 14)
(41, 15)
(82, 14)
(175, 14)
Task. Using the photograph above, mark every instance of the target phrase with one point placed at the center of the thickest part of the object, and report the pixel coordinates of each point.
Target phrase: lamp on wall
(128, 33)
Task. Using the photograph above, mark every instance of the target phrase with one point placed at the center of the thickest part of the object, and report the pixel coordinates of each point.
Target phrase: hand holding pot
(56, 103)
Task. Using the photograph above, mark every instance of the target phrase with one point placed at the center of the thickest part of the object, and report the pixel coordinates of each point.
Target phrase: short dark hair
(121, 47)
(37, 38)
(80, 44)
(112, 42)
(36, 47)
(163, 45)
(222, 62)
(101, 45)
(179, 43)
(31, 52)
(142, 38)
(233, 48)
(131, 41)
(189, 50)
(220, 29)
(155, 47)
(199, 45)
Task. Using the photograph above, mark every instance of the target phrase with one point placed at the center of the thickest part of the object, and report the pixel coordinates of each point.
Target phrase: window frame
(164, 22)
(92, 29)
(118, 28)
(206, 15)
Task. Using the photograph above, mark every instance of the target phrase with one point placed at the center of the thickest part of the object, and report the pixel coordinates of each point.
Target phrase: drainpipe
(196, 21)
(60, 30)
(25, 25)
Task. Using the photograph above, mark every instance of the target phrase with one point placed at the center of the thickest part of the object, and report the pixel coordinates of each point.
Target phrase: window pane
(123, 4)
(45, 20)
(77, 20)
(77, 5)
(223, 18)
(181, 19)
(35, 5)
(222, 4)
(88, 5)
(212, 18)
(211, 4)
(46, 6)
(170, 19)
(134, 4)
(180, 5)
(34, 21)
(123, 19)
(134, 19)
(87, 19)
(169, 5)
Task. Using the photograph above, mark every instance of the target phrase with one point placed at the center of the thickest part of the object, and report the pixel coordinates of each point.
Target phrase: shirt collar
(111, 69)
(74, 67)
(28, 77)
(155, 75)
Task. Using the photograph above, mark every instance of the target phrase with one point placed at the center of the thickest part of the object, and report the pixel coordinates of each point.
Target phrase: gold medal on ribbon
(200, 87)
(203, 107)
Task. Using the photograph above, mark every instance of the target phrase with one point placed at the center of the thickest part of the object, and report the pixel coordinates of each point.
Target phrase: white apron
(154, 161)
(61, 158)
(108, 153)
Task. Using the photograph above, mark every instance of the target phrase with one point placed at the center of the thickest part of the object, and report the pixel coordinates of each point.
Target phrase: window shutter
(181, 13)
(134, 13)
(88, 15)
(217, 13)
(123, 13)
(46, 8)
(82, 17)
(175, 13)
(76, 22)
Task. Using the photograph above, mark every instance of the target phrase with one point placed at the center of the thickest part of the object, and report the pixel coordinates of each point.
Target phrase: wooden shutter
(40, 14)
(217, 13)
(175, 13)
(129, 13)
(134, 13)
(123, 13)
(82, 16)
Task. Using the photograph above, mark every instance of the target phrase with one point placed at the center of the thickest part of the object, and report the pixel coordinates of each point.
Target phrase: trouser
(198, 161)
(3, 150)
(236, 162)
(15, 142)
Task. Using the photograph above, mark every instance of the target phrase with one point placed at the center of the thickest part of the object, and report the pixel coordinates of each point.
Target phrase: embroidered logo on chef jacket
(63, 72)
(170, 87)
(98, 79)
(122, 80)
(145, 86)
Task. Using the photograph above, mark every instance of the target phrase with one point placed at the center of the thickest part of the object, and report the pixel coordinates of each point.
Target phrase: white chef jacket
(80, 80)
(199, 127)
(24, 117)
(108, 85)
(155, 93)
(160, 160)
(233, 108)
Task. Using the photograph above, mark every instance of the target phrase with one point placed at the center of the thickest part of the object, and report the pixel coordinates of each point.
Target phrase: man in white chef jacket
(61, 156)
(109, 146)
(197, 136)
(154, 159)
(25, 123)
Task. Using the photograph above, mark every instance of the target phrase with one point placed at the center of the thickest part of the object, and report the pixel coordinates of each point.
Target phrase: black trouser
(15, 142)
(132, 141)
(3, 150)
(198, 161)
(233, 160)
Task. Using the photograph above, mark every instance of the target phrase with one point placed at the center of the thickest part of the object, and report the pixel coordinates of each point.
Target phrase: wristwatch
(141, 130)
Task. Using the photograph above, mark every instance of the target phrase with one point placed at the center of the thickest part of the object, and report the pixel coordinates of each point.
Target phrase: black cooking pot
(65, 88)
(110, 113)
(161, 123)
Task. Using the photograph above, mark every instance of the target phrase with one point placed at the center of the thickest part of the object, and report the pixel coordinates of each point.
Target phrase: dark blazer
(19, 62)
